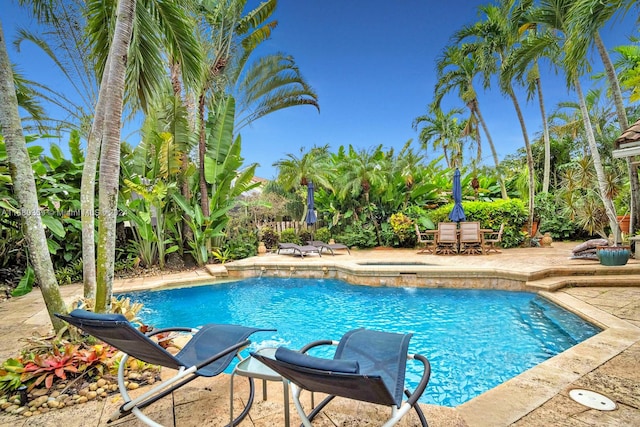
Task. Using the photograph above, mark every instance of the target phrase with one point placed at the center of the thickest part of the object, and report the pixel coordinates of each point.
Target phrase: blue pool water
(474, 339)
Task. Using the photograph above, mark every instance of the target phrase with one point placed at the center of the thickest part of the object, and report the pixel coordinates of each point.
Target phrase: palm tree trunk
(494, 153)
(623, 122)
(187, 234)
(110, 154)
(546, 177)
(202, 151)
(88, 190)
(25, 189)
(527, 145)
(597, 164)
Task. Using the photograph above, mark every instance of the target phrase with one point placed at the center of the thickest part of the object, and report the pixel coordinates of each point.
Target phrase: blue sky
(372, 64)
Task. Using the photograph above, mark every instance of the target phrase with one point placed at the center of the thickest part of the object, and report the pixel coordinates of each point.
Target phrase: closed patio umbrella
(457, 213)
(311, 213)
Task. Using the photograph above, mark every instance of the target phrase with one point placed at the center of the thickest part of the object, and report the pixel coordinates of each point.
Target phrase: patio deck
(606, 363)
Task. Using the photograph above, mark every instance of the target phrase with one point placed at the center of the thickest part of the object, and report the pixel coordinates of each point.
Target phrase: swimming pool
(474, 339)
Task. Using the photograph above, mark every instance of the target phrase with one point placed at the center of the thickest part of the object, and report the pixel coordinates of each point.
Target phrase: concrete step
(557, 282)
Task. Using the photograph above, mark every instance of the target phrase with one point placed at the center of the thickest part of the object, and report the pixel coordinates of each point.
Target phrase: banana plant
(204, 227)
(147, 213)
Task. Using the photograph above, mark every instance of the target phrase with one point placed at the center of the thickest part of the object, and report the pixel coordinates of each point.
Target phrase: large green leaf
(220, 139)
(26, 283)
(54, 225)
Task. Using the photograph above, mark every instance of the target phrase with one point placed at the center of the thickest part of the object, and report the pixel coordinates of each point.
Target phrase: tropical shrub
(323, 234)
(403, 229)
(387, 236)
(358, 235)
(72, 273)
(243, 245)
(306, 235)
(555, 219)
(269, 236)
(289, 236)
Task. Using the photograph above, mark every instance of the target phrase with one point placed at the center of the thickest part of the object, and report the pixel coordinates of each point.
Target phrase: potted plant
(613, 255)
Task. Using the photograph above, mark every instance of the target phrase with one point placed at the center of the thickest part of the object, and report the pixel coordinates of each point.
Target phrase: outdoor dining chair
(471, 238)
(447, 238)
(426, 240)
(491, 239)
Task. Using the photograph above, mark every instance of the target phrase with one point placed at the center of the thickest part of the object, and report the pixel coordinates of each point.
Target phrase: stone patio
(606, 363)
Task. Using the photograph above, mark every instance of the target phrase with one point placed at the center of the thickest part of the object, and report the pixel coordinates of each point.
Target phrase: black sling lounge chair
(367, 366)
(207, 354)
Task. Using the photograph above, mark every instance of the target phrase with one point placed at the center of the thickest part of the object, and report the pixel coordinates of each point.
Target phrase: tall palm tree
(553, 44)
(528, 75)
(490, 41)
(230, 36)
(25, 189)
(586, 18)
(456, 70)
(64, 42)
(157, 27)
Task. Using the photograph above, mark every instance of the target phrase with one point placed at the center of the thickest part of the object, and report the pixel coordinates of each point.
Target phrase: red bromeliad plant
(46, 367)
(57, 364)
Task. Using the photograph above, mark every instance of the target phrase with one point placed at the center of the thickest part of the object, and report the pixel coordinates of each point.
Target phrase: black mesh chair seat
(208, 353)
(367, 366)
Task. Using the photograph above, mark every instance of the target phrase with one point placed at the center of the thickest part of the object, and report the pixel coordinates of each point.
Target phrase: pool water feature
(474, 339)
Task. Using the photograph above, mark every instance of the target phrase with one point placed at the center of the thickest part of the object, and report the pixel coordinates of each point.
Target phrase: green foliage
(403, 229)
(221, 255)
(10, 375)
(243, 245)
(359, 235)
(420, 216)
(306, 235)
(269, 237)
(323, 234)
(289, 236)
(554, 219)
(203, 227)
(26, 283)
(387, 236)
(70, 274)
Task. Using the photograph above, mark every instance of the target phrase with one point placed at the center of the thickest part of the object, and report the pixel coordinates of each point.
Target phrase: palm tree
(359, 173)
(456, 71)
(271, 83)
(491, 40)
(586, 17)
(25, 189)
(442, 130)
(310, 166)
(553, 44)
(629, 65)
(64, 42)
(528, 75)
(156, 27)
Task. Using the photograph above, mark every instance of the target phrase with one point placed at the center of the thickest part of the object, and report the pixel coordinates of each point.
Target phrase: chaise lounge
(299, 249)
(209, 351)
(328, 246)
(367, 366)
